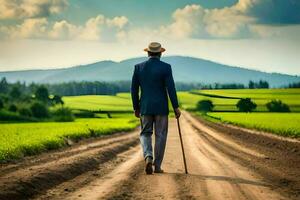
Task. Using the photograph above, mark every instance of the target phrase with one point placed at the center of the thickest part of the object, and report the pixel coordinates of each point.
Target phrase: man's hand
(177, 113)
(137, 113)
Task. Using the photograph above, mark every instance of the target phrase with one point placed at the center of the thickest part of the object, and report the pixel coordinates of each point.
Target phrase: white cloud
(237, 21)
(96, 28)
(226, 22)
(102, 28)
(241, 20)
(119, 22)
(30, 28)
(92, 28)
(195, 21)
(188, 21)
(21, 9)
(63, 30)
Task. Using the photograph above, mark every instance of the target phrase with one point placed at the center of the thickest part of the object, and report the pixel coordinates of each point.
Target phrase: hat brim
(160, 50)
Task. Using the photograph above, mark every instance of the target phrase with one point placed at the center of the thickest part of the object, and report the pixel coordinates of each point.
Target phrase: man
(155, 80)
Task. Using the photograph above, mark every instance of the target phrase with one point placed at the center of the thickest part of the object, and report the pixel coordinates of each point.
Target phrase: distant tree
(4, 98)
(246, 105)
(42, 94)
(205, 106)
(277, 106)
(263, 84)
(15, 93)
(217, 86)
(57, 100)
(3, 86)
(260, 84)
(12, 108)
(251, 85)
(232, 86)
(1, 104)
(294, 85)
(32, 87)
(26, 99)
(25, 112)
(39, 110)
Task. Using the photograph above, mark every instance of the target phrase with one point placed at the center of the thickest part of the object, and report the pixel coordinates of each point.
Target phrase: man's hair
(152, 54)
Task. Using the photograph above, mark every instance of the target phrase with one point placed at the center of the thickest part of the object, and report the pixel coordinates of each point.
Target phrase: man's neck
(156, 57)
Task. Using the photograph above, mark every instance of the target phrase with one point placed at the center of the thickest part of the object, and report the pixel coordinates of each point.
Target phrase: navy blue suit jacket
(156, 82)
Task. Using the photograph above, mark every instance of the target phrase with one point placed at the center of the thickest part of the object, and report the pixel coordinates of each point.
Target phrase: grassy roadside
(23, 139)
(283, 124)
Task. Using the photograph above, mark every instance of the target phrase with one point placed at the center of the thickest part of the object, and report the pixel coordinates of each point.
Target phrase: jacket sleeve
(170, 85)
(135, 84)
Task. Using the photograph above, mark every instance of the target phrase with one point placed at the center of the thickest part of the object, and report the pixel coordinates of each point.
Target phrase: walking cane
(183, 154)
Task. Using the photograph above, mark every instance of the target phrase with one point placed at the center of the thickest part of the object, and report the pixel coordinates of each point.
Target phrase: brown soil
(224, 162)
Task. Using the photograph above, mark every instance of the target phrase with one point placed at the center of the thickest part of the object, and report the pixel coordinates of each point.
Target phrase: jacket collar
(154, 58)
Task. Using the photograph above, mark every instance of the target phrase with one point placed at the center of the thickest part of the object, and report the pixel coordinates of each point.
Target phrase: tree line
(19, 102)
(112, 88)
(294, 85)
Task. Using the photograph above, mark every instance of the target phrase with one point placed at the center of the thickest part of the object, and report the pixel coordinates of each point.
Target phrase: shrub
(57, 100)
(246, 105)
(205, 106)
(42, 94)
(26, 99)
(63, 115)
(277, 106)
(6, 115)
(25, 112)
(1, 104)
(12, 108)
(39, 110)
(4, 98)
(15, 93)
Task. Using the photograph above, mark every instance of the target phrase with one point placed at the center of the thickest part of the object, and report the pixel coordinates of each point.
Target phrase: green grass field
(259, 96)
(100, 102)
(285, 124)
(188, 101)
(21, 139)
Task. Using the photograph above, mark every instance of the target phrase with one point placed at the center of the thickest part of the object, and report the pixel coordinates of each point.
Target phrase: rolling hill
(185, 69)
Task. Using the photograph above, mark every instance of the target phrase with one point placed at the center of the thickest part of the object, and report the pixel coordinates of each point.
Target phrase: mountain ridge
(185, 69)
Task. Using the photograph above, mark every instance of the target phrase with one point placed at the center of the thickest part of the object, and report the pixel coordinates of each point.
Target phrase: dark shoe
(148, 168)
(159, 171)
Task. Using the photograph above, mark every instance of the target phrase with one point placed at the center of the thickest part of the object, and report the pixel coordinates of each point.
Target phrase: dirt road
(223, 163)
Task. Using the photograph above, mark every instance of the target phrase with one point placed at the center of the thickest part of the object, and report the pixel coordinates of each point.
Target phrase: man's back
(155, 79)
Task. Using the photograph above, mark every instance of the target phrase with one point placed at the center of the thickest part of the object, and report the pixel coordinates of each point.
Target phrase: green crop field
(188, 100)
(225, 100)
(286, 124)
(20, 139)
(100, 102)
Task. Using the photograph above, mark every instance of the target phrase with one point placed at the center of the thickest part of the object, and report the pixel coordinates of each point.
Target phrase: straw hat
(155, 47)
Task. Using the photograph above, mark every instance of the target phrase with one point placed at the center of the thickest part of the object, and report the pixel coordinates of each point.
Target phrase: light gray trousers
(160, 124)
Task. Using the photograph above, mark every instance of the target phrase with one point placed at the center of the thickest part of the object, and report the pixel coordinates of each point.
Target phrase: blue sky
(256, 34)
(141, 12)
